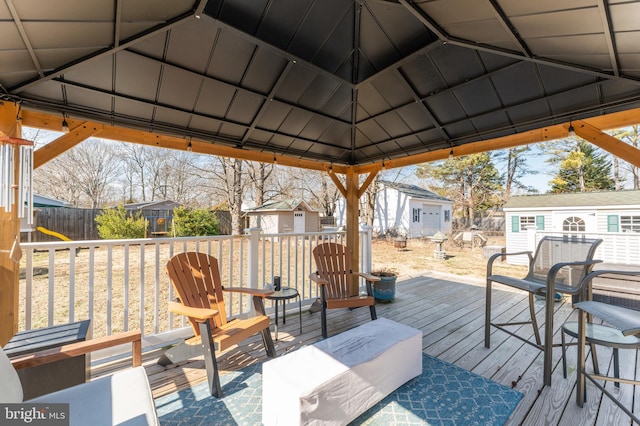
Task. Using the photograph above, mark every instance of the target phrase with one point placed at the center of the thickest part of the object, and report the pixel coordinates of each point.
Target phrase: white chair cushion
(123, 398)
(9, 381)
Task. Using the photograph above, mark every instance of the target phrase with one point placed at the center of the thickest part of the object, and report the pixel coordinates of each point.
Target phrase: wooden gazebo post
(352, 191)
(9, 230)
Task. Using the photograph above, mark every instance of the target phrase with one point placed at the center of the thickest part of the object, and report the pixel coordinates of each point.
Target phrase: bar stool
(598, 334)
(623, 333)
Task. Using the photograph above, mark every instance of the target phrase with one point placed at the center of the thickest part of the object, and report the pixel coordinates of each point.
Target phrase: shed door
(431, 222)
(298, 222)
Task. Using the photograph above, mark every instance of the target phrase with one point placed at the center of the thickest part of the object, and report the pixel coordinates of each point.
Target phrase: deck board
(449, 310)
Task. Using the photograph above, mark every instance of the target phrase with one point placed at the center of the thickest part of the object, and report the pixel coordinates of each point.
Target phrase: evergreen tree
(472, 182)
(583, 169)
(516, 166)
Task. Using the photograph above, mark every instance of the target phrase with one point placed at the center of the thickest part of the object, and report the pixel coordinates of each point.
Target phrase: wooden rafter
(607, 142)
(50, 122)
(65, 142)
(603, 122)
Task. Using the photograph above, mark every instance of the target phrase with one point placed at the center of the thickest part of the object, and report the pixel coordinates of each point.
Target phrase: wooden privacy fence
(80, 224)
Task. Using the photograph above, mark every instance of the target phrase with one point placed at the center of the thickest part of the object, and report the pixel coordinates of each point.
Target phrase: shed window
(527, 222)
(416, 215)
(573, 224)
(630, 223)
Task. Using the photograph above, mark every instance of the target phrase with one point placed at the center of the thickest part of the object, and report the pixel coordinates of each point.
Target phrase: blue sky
(540, 181)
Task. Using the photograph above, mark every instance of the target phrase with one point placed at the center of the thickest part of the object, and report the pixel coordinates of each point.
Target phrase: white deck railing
(616, 247)
(121, 284)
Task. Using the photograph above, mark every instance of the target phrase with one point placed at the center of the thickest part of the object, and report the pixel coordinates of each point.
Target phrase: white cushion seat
(122, 398)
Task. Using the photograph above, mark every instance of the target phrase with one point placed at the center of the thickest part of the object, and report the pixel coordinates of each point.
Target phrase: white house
(289, 216)
(407, 210)
(613, 216)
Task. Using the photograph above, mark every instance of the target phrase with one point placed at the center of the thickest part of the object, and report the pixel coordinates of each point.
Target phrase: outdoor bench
(339, 378)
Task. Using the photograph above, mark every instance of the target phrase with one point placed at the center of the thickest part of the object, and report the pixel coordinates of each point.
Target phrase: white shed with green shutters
(610, 215)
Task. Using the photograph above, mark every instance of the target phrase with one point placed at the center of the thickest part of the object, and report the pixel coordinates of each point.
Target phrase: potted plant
(385, 290)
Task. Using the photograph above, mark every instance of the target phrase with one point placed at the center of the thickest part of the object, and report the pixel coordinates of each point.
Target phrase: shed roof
(45, 201)
(280, 206)
(342, 81)
(585, 199)
(414, 191)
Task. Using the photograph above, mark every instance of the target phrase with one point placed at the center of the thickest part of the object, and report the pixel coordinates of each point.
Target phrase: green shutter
(540, 223)
(515, 223)
(612, 223)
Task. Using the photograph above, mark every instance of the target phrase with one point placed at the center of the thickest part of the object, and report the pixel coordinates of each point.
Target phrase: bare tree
(81, 175)
(181, 183)
(147, 164)
(324, 193)
(224, 181)
(260, 175)
(134, 157)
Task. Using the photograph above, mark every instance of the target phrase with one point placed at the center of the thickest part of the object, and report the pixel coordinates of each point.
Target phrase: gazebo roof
(341, 81)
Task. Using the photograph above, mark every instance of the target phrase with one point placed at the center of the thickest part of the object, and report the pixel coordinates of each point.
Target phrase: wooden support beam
(49, 122)
(337, 182)
(65, 142)
(604, 122)
(368, 180)
(9, 232)
(607, 142)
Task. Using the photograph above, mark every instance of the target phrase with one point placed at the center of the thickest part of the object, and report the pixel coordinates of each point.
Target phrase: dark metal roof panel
(336, 80)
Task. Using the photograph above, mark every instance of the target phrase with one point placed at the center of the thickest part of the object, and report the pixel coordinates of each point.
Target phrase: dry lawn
(418, 257)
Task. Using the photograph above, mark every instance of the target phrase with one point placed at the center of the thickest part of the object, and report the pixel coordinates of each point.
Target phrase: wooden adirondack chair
(334, 276)
(196, 279)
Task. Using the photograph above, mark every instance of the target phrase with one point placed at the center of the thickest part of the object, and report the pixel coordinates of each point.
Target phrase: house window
(630, 223)
(527, 222)
(573, 224)
(416, 213)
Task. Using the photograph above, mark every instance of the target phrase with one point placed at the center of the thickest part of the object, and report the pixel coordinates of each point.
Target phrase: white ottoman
(335, 380)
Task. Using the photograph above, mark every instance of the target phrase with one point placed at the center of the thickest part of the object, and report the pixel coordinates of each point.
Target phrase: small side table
(43, 379)
(284, 294)
(600, 335)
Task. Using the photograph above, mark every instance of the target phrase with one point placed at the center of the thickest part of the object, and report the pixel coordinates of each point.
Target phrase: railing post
(252, 256)
(367, 239)
(531, 239)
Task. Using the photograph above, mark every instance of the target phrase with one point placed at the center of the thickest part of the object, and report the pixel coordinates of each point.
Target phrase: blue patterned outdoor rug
(443, 395)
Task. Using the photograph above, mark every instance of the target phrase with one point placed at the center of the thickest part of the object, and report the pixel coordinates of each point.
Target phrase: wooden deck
(450, 312)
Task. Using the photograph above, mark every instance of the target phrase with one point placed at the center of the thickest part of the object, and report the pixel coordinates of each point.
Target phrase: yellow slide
(53, 233)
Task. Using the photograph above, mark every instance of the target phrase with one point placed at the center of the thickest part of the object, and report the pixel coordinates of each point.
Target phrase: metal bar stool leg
(564, 354)
(300, 311)
(616, 366)
(276, 319)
